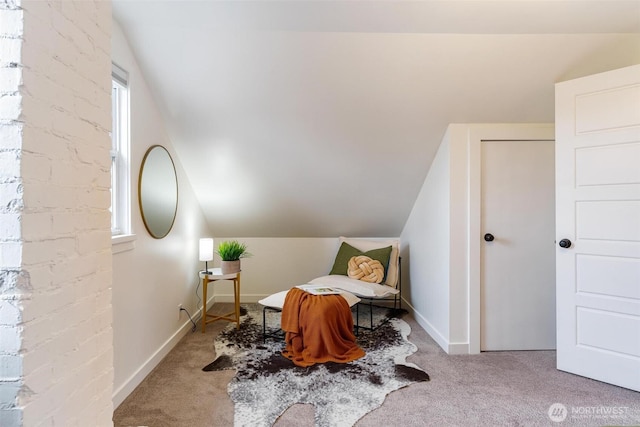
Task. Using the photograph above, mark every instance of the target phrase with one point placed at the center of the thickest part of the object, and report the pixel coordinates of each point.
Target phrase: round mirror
(158, 191)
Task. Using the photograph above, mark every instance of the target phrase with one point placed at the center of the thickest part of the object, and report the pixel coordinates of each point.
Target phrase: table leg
(236, 298)
(205, 282)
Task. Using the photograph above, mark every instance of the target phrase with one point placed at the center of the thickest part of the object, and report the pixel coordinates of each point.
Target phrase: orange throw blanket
(319, 328)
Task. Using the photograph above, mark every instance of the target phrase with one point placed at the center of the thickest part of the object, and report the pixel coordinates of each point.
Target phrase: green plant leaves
(232, 250)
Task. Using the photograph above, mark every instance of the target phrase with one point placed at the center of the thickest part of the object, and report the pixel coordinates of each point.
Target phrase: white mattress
(356, 287)
(277, 300)
(352, 289)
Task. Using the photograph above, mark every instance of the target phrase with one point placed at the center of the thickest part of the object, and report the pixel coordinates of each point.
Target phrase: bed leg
(264, 325)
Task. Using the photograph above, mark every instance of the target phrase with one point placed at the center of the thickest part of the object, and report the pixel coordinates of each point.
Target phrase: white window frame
(120, 158)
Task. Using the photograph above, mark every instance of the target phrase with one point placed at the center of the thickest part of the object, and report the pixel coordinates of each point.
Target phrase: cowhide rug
(266, 383)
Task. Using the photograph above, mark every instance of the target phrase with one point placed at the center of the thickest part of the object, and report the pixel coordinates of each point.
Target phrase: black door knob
(565, 243)
(488, 237)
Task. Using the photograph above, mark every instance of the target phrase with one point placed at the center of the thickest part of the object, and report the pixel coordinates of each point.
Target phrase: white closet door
(598, 224)
(517, 291)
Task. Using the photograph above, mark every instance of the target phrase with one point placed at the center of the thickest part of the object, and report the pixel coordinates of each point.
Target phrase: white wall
(459, 244)
(151, 277)
(442, 235)
(55, 279)
(425, 249)
(278, 264)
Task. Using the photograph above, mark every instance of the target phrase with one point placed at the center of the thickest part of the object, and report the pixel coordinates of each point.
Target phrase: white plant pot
(230, 267)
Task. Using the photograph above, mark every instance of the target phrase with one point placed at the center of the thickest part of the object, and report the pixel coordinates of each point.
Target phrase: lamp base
(206, 269)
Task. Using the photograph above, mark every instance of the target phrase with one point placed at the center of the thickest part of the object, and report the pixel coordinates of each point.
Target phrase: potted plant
(230, 252)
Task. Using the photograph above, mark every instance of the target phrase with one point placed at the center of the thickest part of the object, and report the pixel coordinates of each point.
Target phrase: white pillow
(367, 244)
(357, 287)
(277, 300)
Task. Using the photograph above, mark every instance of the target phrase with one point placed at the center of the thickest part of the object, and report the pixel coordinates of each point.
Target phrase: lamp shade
(206, 249)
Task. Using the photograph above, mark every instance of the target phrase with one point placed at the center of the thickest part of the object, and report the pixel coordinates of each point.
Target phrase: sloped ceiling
(321, 118)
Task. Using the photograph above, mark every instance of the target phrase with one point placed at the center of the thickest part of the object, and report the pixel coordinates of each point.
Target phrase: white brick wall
(56, 354)
(11, 363)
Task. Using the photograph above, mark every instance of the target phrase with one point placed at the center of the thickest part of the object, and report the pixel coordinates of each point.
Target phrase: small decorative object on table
(230, 252)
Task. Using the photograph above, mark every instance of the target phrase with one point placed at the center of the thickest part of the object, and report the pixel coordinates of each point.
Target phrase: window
(120, 188)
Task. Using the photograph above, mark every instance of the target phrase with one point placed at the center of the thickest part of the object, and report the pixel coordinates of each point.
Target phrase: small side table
(214, 275)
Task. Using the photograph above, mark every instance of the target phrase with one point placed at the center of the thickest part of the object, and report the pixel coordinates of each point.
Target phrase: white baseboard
(121, 393)
(448, 347)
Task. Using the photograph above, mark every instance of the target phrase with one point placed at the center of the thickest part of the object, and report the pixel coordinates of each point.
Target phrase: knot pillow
(366, 269)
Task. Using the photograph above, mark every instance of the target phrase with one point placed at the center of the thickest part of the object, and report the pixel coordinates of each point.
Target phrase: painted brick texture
(11, 368)
(55, 277)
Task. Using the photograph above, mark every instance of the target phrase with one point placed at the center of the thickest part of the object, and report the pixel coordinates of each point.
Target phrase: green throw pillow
(346, 252)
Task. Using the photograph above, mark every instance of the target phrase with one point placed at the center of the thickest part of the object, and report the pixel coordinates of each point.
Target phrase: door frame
(477, 134)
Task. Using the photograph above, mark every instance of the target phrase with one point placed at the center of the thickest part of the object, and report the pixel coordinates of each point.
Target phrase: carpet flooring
(511, 388)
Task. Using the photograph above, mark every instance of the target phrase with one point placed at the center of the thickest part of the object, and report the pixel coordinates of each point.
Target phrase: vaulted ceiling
(321, 118)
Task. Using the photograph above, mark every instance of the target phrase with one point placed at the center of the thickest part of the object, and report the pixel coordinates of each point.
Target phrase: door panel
(595, 331)
(592, 117)
(608, 220)
(608, 165)
(598, 208)
(607, 275)
(517, 286)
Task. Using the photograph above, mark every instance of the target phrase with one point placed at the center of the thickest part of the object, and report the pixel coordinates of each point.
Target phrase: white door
(598, 211)
(517, 285)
